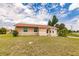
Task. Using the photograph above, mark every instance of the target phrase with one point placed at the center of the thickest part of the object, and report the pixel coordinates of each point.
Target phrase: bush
(69, 31)
(3, 31)
(15, 33)
(63, 32)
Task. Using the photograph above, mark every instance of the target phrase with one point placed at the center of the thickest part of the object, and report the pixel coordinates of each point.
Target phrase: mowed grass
(39, 46)
(74, 34)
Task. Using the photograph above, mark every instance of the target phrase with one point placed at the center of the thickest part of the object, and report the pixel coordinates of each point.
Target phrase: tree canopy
(53, 21)
(49, 22)
(62, 30)
(3, 30)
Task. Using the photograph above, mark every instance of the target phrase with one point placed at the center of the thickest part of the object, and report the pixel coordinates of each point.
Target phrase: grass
(74, 34)
(40, 46)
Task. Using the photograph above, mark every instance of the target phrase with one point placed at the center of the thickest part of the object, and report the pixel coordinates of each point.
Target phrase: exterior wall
(19, 29)
(43, 32)
(30, 31)
(53, 32)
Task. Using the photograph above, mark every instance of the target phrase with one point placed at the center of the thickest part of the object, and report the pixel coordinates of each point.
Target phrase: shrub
(15, 33)
(69, 31)
(3, 31)
(63, 32)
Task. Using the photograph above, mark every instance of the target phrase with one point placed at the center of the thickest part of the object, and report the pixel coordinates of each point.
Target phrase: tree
(62, 30)
(54, 20)
(0, 31)
(3, 31)
(62, 26)
(57, 25)
(49, 22)
(69, 31)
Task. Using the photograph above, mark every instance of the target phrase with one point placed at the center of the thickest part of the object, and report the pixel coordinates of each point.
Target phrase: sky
(39, 13)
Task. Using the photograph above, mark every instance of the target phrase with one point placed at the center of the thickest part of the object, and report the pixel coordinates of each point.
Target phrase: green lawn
(74, 34)
(40, 46)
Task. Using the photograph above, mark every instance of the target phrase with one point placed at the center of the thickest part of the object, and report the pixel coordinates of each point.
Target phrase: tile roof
(31, 25)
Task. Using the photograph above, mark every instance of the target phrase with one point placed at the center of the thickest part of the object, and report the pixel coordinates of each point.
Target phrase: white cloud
(74, 6)
(73, 24)
(11, 14)
(19, 5)
(43, 14)
(8, 14)
(62, 13)
(40, 18)
(62, 4)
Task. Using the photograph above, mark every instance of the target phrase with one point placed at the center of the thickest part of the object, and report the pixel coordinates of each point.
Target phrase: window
(47, 30)
(25, 29)
(36, 29)
(52, 31)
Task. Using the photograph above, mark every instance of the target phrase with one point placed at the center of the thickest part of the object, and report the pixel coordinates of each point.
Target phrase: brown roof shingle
(32, 25)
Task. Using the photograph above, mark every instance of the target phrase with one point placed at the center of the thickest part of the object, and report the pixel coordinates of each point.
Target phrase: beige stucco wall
(52, 32)
(30, 31)
(19, 29)
(43, 32)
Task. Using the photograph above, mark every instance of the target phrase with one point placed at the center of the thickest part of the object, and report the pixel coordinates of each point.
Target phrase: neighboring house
(34, 29)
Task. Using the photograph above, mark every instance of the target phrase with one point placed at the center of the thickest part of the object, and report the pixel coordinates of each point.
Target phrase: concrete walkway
(72, 37)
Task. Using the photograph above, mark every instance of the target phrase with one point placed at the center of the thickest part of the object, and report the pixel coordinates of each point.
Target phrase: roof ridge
(31, 24)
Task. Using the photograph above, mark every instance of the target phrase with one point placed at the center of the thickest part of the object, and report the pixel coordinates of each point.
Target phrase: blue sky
(67, 13)
(55, 9)
(61, 11)
(39, 13)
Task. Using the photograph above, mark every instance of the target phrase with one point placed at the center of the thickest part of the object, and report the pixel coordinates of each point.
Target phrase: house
(34, 29)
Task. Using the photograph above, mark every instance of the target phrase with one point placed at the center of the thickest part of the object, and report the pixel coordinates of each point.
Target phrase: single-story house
(34, 29)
